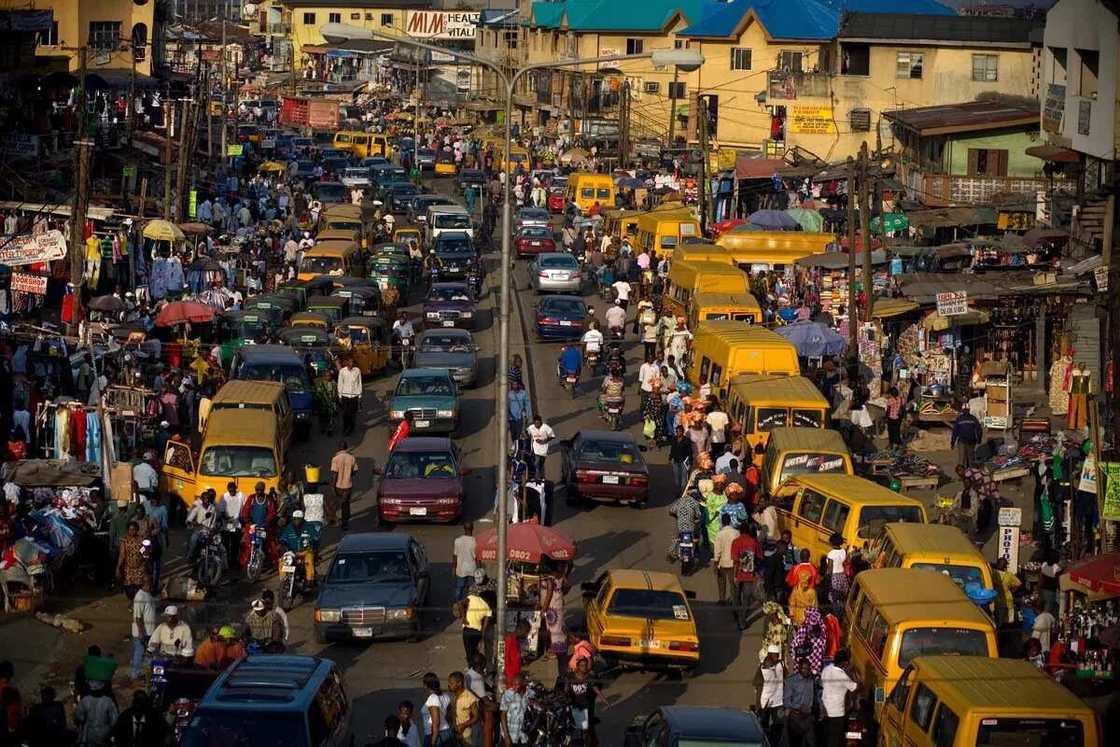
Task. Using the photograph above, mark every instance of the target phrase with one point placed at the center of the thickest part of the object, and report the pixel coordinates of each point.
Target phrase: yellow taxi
(642, 619)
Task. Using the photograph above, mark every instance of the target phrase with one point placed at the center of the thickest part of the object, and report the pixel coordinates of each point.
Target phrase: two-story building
(306, 17)
(114, 34)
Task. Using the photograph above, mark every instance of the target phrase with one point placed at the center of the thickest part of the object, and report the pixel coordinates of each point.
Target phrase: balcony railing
(942, 190)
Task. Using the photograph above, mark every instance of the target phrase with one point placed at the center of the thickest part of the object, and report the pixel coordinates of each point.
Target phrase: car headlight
(391, 501)
(328, 616)
(466, 314)
(396, 414)
(445, 413)
(402, 614)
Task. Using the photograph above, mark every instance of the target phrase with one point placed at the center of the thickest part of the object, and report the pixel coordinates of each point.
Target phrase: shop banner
(952, 303)
(1110, 511)
(1100, 275)
(27, 250)
(1008, 547)
(1088, 482)
(442, 24)
(811, 120)
(235, 150)
(25, 283)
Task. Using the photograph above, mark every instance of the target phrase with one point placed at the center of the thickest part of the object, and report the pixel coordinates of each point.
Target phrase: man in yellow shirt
(1006, 583)
(476, 617)
(466, 708)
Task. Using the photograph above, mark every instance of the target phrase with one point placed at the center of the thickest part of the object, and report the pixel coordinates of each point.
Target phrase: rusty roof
(969, 116)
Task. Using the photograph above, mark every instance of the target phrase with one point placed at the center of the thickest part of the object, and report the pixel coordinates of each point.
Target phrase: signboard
(811, 120)
(1053, 108)
(442, 24)
(192, 204)
(952, 303)
(293, 111)
(1007, 546)
(1084, 116)
(1111, 506)
(25, 283)
(1088, 482)
(1009, 516)
(463, 80)
(20, 146)
(27, 250)
(442, 56)
(1100, 275)
(322, 114)
(234, 150)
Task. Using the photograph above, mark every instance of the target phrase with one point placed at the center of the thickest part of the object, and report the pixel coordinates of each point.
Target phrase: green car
(316, 346)
(431, 398)
(302, 290)
(236, 328)
(392, 272)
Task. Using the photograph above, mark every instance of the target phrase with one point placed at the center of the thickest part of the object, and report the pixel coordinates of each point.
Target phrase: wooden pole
(853, 339)
(167, 117)
(865, 229)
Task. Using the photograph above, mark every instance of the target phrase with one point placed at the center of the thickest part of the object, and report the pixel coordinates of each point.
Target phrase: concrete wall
(308, 33)
(1019, 164)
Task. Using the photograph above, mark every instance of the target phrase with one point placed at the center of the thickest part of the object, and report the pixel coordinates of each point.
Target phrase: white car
(556, 272)
(356, 176)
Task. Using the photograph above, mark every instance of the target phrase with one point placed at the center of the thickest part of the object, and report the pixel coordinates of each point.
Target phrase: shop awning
(839, 260)
(885, 308)
(1101, 574)
(757, 168)
(951, 216)
(1053, 153)
(315, 48)
(937, 323)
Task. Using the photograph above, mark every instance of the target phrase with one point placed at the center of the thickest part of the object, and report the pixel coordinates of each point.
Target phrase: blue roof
(612, 15)
(798, 19)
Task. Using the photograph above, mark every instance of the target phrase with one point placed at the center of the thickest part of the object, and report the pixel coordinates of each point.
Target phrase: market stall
(1087, 633)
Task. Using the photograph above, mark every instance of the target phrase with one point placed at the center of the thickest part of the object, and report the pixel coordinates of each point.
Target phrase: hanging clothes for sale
(93, 261)
(77, 431)
(1059, 384)
(93, 437)
(61, 433)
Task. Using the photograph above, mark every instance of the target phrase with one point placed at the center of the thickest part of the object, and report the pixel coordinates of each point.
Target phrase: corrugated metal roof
(941, 28)
(839, 260)
(968, 116)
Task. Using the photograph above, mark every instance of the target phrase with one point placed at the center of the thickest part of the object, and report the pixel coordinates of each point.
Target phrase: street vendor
(172, 637)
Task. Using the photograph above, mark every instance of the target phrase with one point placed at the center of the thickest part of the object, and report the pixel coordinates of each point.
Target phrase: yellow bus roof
(714, 275)
(867, 492)
(332, 248)
(1011, 684)
(737, 333)
(760, 389)
(649, 220)
(712, 298)
(249, 392)
(343, 211)
(812, 243)
(930, 539)
(631, 578)
(808, 439)
(336, 234)
(240, 428)
(702, 253)
(907, 595)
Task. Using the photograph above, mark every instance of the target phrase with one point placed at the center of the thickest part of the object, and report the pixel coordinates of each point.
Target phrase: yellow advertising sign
(811, 120)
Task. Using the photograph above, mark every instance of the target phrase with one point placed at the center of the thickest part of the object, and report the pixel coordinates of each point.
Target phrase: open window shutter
(1001, 163)
(973, 161)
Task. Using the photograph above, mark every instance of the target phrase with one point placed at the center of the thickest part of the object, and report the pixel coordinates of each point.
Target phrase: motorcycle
(592, 358)
(293, 578)
(158, 681)
(405, 355)
(258, 537)
(611, 411)
(182, 711)
(212, 561)
(570, 381)
(686, 551)
(548, 719)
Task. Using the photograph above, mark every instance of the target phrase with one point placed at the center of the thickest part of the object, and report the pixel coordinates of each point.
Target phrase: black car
(418, 206)
(470, 178)
(671, 726)
(457, 255)
(399, 196)
(331, 192)
(377, 587)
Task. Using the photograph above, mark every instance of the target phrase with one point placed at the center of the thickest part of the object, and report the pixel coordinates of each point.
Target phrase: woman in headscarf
(803, 597)
(809, 640)
(777, 628)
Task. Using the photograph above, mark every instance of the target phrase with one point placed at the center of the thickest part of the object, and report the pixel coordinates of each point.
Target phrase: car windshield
(366, 567)
(404, 189)
(937, 641)
(1022, 732)
(358, 173)
(872, 518)
(238, 461)
(533, 215)
(330, 192)
(458, 293)
(290, 375)
(461, 246)
(614, 452)
(250, 329)
(322, 265)
(559, 262)
(433, 385)
(440, 343)
(961, 574)
(426, 152)
(810, 464)
(536, 232)
(685, 742)
(242, 729)
(452, 220)
(306, 166)
(404, 465)
(564, 306)
(650, 604)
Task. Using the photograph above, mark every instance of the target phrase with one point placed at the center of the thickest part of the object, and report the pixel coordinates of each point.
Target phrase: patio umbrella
(773, 220)
(272, 166)
(813, 339)
(527, 543)
(179, 312)
(809, 220)
(1101, 574)
(162, 230)
(195, 229)
(107, 304)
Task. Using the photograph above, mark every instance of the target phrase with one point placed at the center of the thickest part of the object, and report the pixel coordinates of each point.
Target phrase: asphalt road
(380, 674)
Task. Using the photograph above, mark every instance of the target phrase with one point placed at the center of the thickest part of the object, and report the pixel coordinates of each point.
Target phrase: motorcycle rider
(403, 331)
(616, 320)
(569, 363)
(687, 509)
(593, 341)
(263, 625)
(258, 511)
(203, 518)
(300, 538)
(613, 388)
(172, 637)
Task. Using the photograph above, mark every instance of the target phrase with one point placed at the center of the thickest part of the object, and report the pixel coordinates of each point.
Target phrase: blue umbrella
(774, 220)
(813, 339)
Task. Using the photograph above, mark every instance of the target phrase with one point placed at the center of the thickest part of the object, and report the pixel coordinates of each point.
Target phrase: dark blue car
(561, 318)
(285, 365)
(674, 726)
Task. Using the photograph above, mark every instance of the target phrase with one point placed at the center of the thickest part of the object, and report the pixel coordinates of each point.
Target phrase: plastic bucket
(311, 473)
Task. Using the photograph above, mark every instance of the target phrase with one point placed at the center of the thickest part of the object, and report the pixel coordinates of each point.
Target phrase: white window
(985, 67)
(740, 58)
(49, 38)
(909, 65)
(104, 34)
(652, 86)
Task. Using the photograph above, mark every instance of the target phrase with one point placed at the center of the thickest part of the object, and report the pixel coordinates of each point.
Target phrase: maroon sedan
(533, 240)
(605, 466)
(422, 481)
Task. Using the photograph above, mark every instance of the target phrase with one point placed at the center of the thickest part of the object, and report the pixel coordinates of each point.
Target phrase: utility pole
(182, 168)
(168, 115)
(83, 152)
(672, 107)
(225, 90)
(624, 125)
(853, 339)
(209, 113)
(702, 123)
(865, 227)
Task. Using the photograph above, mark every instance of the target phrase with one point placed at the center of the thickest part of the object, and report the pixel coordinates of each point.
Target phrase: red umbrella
(527, 543)
(1101, 574)
(178, 312)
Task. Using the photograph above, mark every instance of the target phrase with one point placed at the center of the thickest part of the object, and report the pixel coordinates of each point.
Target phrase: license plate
(449, 322)
(565, 323)
(613, 410)
(363, 632)
(853, 735)
(287, 568)
(610, 479)
(534, 243)
(651, 643)
(418, 511)
(559, 276)
(422, 423)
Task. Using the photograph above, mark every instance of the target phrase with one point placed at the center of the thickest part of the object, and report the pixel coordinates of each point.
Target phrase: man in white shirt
(1043, 625)
(769, 687)
(541, 435)
(203, 517)
(592, 339)
(349, 394)
(722, 560)
(232, 501)
(145, 475)
(835, 686)
(717, 419)
(465, 565)
(646, 374)
(622, 292)
(144, 622)
(172, 637)
(616, 319)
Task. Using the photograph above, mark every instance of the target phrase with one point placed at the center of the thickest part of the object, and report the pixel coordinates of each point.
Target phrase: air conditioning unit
(651, 87)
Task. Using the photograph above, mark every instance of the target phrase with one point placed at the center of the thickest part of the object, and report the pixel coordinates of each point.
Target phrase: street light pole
(335, 33)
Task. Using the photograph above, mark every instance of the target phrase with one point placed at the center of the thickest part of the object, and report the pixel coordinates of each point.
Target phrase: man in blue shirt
(571, 361)
(520, 411)
(798, 698)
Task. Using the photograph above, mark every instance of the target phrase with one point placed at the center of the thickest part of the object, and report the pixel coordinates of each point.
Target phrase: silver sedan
(453, 349)
(556, 272)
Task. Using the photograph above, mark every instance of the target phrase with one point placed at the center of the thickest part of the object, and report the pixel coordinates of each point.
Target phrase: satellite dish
(250, 9)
